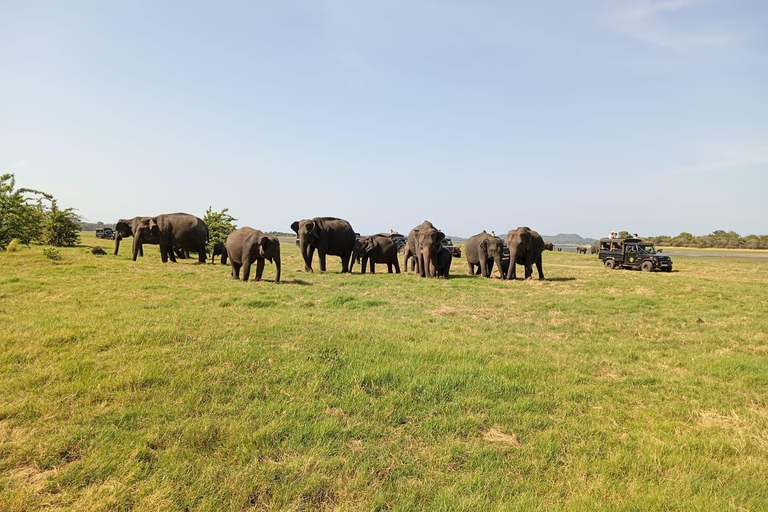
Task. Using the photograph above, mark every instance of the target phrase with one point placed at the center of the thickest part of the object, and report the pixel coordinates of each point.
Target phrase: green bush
(52, 253)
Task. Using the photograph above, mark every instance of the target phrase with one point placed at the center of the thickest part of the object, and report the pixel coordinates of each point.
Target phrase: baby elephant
(98, 250)
(376, 249)
(444, 259)
(246, 246)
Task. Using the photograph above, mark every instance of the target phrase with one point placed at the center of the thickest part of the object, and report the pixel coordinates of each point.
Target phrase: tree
(220, 225)
(60, 227)
(19, 217)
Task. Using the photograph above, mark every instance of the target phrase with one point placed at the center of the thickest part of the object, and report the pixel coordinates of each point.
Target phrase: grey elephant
(444, 259)
(126, 228)
(582, 249)
(173, 230)
(245, 246)
(329, 235)
(549, 246)
(595, 247)
(525, 248)
(219, 249)
(376, 249)
(482, 251)
(424, 242)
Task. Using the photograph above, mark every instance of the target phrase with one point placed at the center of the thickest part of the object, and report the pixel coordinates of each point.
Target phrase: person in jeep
(632, 253)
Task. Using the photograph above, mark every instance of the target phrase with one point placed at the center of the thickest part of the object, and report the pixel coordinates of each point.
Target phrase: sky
(568, 117)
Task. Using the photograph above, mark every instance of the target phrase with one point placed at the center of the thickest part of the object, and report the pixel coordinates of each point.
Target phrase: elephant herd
(179, 233)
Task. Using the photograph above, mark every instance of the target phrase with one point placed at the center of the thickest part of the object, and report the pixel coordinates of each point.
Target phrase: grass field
(143, 386)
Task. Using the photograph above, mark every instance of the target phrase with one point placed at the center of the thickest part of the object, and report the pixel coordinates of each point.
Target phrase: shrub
(52, 253)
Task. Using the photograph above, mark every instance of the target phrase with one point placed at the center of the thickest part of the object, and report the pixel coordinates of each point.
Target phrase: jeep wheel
(646, 266)
(610, 264)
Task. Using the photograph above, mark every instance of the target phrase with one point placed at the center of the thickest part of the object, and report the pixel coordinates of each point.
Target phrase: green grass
(143, 386)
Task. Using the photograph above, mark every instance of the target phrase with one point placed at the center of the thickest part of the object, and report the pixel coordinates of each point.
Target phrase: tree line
(28, 215)
(719, 239)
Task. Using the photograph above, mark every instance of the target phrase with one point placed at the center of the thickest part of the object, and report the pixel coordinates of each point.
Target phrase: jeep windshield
(647, 249)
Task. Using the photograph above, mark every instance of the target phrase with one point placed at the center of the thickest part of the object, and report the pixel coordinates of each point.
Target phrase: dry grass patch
(494, 435)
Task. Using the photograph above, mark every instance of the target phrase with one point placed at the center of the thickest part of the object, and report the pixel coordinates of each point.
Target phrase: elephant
(173, 230)
(376, 249)
(482, 250)
(247, 245)
(582, 249)
(444, 259)
(424, 242)
(219, 249)
(525, 248)
(559, 249)
(329, 235)
(549, 246)
(127, 227)
(595, 247)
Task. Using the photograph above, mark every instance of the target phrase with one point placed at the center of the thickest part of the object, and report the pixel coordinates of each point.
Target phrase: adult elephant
(483, 250)
(525, 248)
(424, 242)
(376, 249)
(329, 235)
(173, 230)
(247, 245)
(595, 247)
(126, 228)
(549, 246)
(582, 249)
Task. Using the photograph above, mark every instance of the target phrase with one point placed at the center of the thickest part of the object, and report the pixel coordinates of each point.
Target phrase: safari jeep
(632, 253)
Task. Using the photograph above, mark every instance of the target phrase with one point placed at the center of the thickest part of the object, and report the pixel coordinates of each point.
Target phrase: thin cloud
(647, 21)
(21, 164)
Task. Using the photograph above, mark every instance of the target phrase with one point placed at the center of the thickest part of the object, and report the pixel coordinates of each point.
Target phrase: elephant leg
(373, 265)
(389, 268)
(141, 251)
(483, 267)
(528, 270)
(235, 270)
(259, 268)
(164, 254)
(538, 267)
(363, 264)
(246, 269)
(397, 266)
(202, 255)
(346, 262)
(321, 256)
(471, 268)
(489, 266)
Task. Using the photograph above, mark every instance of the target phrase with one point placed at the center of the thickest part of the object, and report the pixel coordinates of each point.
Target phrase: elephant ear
(312, 228)
(484, 247)
(295, 227)
(440, 236)
(265, 248)
(153, 227)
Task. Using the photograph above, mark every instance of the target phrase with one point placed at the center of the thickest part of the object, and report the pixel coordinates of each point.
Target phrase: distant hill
(568, 238)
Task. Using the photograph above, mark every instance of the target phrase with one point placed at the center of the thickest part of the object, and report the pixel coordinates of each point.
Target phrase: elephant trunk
(512, 260)
(305, 248)
(279, 267)
(117, 243)
(429, 261)
(136, 245)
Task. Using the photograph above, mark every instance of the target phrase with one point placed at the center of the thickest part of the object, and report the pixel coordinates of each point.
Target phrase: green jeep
(632, 253)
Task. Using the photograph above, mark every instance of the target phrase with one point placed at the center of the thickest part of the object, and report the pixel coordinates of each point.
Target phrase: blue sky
(585, 117)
